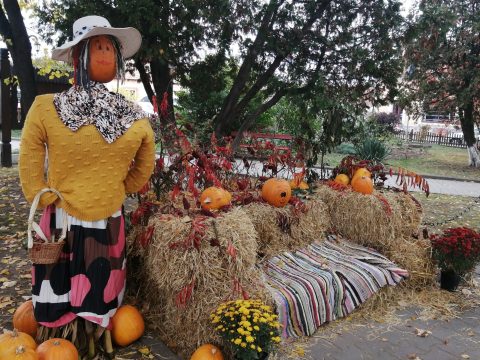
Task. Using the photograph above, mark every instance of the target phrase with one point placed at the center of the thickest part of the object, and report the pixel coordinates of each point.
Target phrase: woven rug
(325, 281)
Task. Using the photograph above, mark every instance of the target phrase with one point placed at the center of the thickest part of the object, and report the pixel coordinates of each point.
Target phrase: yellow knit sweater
(92, 175)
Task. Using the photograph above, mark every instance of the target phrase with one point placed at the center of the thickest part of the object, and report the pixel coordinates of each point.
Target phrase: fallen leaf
(144, 350)
(422, 333)
(465, 356)
(384, 339)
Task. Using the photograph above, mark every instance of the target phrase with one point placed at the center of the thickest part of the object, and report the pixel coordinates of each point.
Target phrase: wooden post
(5, 110)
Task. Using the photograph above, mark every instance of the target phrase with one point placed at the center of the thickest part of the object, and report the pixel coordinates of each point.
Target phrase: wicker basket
(42, 250)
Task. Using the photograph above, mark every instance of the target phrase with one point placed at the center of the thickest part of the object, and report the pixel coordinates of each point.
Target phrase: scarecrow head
(98, 50)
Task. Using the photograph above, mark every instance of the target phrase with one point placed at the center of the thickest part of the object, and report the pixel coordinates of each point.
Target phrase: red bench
(264, 137)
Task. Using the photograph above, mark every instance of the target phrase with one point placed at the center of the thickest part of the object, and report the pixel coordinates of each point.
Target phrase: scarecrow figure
(91, 137)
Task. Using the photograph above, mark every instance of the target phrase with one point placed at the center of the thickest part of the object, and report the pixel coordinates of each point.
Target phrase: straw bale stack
(213, 271)
(369, 221)
(284, 229)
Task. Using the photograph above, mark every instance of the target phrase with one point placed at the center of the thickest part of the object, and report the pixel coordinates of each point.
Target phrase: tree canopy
(443, 62)
(329, 52)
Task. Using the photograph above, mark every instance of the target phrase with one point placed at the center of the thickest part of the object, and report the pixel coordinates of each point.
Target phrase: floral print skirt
(88, 281)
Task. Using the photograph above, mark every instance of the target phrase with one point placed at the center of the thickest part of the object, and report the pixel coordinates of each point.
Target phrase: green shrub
(372, 149)
(346, 148)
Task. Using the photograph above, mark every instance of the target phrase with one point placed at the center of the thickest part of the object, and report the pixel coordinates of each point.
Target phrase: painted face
(102, 66)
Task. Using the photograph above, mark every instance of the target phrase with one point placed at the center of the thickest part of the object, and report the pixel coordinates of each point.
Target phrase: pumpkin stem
(108, 342)
(214, 351)
(20, 350)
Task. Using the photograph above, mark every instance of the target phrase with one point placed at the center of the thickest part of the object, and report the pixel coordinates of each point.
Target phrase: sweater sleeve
(32, 156)
(144, 162)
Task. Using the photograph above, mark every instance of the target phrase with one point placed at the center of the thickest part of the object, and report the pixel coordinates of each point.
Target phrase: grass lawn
(437, 160)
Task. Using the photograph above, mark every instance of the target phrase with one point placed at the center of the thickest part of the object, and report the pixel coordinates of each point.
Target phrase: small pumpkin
(128, 325)
(57, 349)
(276, 192)
(362, 172)
(102, 65)
(207, 352)
(11, 340)
(21, 353)
(24, 319)
(362, 184)
(214, 198)
(302, 185)
(342, 179)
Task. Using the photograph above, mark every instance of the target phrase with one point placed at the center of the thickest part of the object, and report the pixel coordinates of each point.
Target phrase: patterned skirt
(88, 281)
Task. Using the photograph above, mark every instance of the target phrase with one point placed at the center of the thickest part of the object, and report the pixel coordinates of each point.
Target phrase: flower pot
(449, 280)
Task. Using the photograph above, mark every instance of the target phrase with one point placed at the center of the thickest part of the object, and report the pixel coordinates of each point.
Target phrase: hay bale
(360, 218)
(212, 272)
(286, 229)
(369, 221)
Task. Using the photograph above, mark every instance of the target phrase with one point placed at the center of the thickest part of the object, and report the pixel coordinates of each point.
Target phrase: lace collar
(110, 112)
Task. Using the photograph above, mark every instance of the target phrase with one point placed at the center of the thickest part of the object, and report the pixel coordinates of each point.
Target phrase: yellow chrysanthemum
(256, 328)
(250, 339)
(237, 341)
(259, 349)
(243, 344)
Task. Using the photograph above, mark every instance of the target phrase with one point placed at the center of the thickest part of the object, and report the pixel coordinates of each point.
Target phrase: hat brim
(129, 38)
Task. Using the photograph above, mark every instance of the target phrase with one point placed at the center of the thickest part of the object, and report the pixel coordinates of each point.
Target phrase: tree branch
(145, 79)
(244, 72)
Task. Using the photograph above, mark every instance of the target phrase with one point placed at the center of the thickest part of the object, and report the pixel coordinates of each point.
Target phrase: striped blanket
(324, 282)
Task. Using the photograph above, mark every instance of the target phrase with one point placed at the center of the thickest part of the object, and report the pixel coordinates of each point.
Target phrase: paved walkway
(458, 338)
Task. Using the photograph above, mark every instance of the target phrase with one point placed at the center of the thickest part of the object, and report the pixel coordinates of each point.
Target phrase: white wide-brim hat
(88, 26)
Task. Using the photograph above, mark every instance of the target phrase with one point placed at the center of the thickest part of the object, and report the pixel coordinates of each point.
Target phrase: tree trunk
(163, 82)
(466, 121)
(21, 52)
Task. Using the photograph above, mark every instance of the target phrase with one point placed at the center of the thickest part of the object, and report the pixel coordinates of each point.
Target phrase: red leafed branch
(231, 250)
(196, 235)
(144, 238)
(385, 204)
(182, 298)
(298, 205)
(336, 186)
(406, 179)
(238, 289)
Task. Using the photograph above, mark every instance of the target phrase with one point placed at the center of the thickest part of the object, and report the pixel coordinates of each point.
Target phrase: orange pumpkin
(362, 172)
(128, 325)
(207, 352)
(362, 184)
(24, 319)
(302, 185)
(276, 192)
(21, 353)
(11, 340)
(214, 198)
(57, 349)
(102, 66)
(342, 179)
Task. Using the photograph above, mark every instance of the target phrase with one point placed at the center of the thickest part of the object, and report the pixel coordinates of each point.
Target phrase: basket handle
(32, 225)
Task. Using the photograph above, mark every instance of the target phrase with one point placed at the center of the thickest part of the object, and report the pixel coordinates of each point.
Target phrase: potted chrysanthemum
(248, 327)
(456, 251)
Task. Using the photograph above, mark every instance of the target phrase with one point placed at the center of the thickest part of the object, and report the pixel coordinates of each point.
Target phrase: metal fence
(431, 138)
